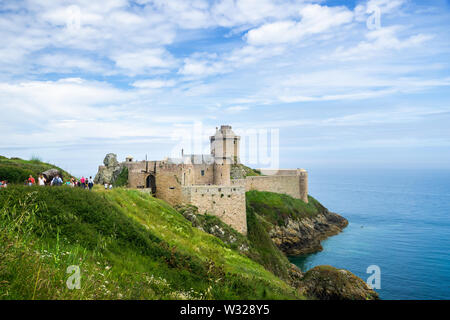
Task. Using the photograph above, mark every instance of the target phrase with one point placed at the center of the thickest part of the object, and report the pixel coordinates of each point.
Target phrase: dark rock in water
(50, 174)
(329, 283)
(303, 236)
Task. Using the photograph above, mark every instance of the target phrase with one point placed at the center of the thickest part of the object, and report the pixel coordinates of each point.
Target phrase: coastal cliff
(304, 236)
(295, 227)
(279, 225)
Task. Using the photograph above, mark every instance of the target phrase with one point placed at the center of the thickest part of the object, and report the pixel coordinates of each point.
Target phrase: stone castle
(205, 180)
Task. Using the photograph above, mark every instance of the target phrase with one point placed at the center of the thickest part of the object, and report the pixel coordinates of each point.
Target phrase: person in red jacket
(31, 180)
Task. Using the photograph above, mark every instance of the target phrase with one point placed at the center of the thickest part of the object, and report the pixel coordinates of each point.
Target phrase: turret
(225, 151)
(225, 145)
(303, 184)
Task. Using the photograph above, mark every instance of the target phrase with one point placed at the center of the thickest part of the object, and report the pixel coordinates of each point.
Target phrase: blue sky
(79, 79)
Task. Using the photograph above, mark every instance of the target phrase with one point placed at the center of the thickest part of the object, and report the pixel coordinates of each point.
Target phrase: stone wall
(294, 185)
(279, 172)
(222, 174)
(136, 178)
(197, 174)
(168, 183)
(225, 202)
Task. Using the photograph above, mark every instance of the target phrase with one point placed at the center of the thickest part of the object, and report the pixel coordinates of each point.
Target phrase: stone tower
(225, 151)
(225, 144)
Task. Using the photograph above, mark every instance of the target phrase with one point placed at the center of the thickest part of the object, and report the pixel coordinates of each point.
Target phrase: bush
(122, 178)
(16, 170)
(277, 208)
(14, 174)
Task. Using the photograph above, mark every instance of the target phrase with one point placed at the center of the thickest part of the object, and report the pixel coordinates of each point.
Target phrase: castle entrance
(151, 183)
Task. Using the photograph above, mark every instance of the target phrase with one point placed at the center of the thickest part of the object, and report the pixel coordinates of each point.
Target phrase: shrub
(122, 178)
(277, 208)
(14, 174)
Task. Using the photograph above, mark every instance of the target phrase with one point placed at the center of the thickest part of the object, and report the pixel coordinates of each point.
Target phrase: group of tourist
(85, 183)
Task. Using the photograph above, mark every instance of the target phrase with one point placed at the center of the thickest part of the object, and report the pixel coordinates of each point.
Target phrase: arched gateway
(151, 183)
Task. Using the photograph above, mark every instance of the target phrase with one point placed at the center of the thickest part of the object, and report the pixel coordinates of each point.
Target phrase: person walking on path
(83, 182)
(41, 180)
(31, 180)
(90, 183)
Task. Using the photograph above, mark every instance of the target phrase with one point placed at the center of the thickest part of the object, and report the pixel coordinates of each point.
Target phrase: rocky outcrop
(302, 236)
(50, 174)
(329, 283)
(110, 171)
(239, 171)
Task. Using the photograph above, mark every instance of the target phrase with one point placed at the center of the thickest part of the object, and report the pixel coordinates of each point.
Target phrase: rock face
(303, 236)
(109, 172)
(50, 174)
(237, 172)
(110, 160)
(329, 283)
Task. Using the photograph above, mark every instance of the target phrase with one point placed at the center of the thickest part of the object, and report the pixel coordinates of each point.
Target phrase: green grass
(128, 245)
(278, 208)
(263, 250)
(16, 170)
(262, 213)
(266, 209)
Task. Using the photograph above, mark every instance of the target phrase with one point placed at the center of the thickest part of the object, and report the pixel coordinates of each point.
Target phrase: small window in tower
(203, 173)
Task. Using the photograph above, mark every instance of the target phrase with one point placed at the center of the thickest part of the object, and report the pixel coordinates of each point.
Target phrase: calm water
(399, 220)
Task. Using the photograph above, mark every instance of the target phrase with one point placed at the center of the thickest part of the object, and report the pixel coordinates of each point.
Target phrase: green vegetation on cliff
(16, 170)
(240, 171)
(122, 178)
(278, 208)
(127, 244)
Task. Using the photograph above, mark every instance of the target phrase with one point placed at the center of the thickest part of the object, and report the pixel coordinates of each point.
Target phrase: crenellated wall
(294, 184)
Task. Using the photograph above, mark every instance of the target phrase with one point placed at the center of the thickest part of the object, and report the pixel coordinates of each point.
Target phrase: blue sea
(399, 220)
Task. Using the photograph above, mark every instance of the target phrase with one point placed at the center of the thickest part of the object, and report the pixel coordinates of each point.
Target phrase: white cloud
(201, 67)
(236, 109)
(153, 84)
(139, 62)
(232, 13)
(66, 63)
(379, 42)
(314, 19)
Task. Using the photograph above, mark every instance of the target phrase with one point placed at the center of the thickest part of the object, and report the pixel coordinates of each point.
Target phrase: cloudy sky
(79, 79)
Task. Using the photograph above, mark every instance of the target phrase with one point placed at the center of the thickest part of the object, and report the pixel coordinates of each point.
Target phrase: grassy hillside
(127, 244)
(277, 208)
(17, 170)
(257, 245)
